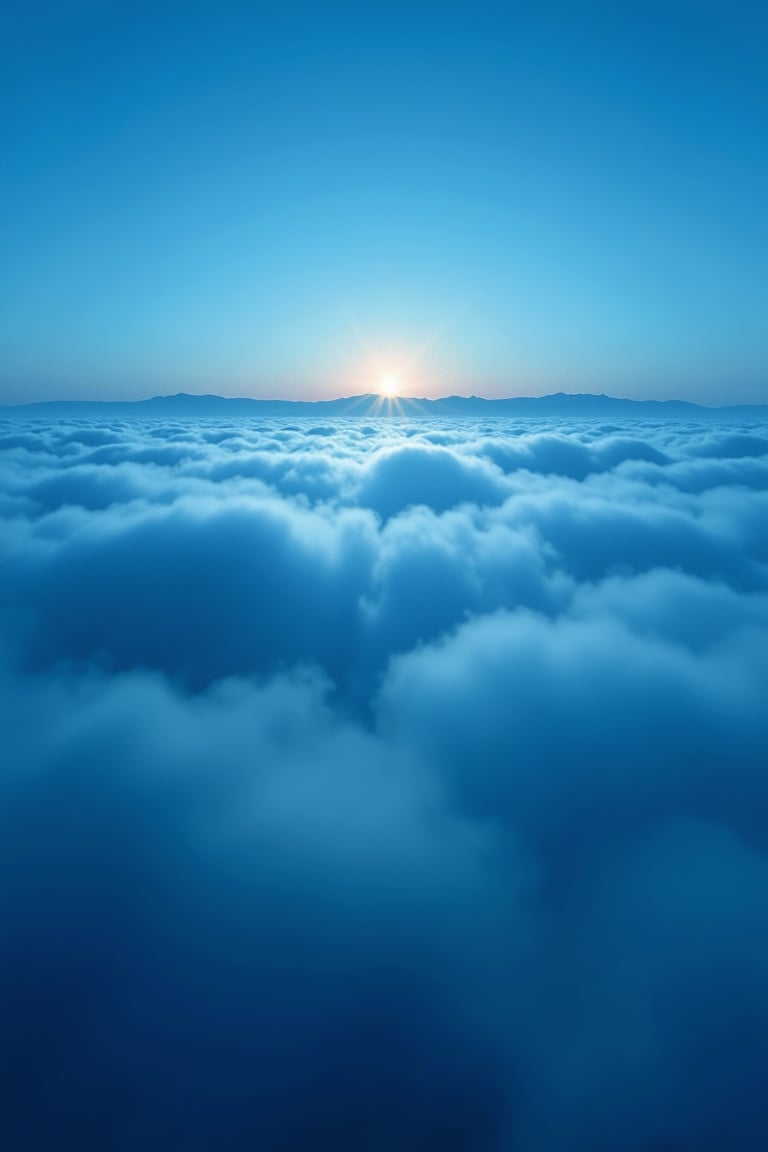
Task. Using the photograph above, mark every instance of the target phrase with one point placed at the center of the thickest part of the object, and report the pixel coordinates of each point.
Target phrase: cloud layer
(384, 785)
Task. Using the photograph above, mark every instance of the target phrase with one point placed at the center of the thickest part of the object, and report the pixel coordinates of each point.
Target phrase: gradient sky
(270, 199)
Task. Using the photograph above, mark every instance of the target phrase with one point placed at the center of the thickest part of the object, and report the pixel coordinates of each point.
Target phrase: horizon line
(380, 399)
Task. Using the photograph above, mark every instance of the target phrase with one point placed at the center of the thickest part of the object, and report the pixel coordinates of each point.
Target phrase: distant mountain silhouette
(559, 404)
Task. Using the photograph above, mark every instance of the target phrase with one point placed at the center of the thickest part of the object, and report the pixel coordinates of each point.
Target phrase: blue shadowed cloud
(399, 786)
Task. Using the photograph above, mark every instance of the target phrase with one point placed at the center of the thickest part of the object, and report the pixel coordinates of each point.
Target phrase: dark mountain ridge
(372, 405)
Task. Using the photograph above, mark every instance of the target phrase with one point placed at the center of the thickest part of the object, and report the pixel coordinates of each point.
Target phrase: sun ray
(389, 384)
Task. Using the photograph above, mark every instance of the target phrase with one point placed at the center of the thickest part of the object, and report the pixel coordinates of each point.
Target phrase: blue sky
(277, 199)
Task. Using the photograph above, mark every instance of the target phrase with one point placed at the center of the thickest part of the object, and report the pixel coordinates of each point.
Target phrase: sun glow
(389, 384)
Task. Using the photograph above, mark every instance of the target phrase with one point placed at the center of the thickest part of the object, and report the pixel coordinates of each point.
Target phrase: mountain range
(371, 405)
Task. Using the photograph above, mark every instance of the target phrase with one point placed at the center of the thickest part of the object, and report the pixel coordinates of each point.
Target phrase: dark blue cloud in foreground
(387, 788)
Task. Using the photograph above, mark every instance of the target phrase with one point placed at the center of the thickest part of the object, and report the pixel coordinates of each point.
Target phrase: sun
(389, 384)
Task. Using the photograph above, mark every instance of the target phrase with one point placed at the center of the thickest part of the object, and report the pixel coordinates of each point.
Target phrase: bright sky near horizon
(305, 199)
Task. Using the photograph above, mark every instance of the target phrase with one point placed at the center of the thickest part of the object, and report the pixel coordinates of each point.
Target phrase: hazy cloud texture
(387, 785)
